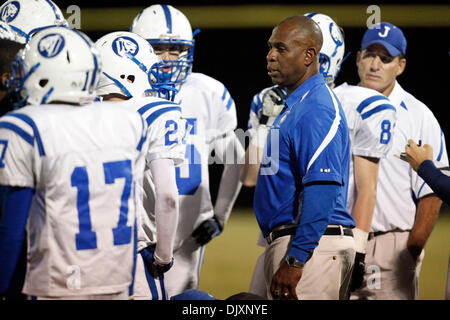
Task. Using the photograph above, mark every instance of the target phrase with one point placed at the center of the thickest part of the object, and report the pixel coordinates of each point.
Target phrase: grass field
(230, 258)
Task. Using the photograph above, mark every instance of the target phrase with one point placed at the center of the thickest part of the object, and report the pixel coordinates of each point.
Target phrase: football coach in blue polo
(301, 191)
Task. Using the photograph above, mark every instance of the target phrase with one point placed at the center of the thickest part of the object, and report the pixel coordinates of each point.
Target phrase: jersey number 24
(187, 185)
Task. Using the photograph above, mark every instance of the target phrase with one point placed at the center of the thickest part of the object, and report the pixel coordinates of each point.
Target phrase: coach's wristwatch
(292, 262)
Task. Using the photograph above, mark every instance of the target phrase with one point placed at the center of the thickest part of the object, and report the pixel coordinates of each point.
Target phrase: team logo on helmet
(10, 11)
(336, 34)
(125, 45)
(50, 45)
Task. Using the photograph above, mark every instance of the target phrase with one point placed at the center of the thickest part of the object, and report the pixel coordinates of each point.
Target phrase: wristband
(160, 262)
(360, 237)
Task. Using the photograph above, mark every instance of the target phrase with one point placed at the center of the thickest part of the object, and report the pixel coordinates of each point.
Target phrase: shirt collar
(298, 94)
(396, 95)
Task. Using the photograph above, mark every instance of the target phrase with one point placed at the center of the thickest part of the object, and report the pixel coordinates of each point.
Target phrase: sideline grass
(230, 258)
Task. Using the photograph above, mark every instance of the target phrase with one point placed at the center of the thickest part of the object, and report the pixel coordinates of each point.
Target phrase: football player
(371, 120)
(130, 73)
(211, 119)
(72, 166)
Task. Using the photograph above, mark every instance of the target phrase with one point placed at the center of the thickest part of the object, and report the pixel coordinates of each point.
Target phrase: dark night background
(236, 57)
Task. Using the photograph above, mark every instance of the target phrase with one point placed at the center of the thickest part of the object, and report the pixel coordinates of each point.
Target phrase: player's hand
(153, 267)
(359, 269)
(272, 104)
(207, 230)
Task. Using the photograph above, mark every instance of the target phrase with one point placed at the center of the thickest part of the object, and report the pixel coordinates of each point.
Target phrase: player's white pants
(185, 273)
(258, 283)
(391, 272)
(145, 286)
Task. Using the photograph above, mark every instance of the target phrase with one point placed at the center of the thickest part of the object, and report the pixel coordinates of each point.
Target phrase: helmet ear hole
(43, 82)
(130, 78)
(122, 76)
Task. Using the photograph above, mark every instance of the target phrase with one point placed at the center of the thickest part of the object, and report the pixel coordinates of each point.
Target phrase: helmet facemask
(15, 90)
(179, 65)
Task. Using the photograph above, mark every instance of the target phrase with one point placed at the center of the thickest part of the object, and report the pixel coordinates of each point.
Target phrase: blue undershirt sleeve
(436, 180)
(16, 206)
(318, 205)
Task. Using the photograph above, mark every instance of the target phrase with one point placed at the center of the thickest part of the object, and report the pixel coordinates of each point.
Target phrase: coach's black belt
(291, 229)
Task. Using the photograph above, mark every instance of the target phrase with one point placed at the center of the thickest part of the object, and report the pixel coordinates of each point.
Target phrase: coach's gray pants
(326, 276)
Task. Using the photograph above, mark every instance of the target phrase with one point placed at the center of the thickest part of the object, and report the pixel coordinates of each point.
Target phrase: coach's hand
(153, 267)
(272, 104)
(284, 282)
(207, 230)
(359, 269)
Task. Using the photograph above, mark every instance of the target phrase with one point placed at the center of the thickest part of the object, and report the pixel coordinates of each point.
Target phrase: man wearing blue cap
(406, 208)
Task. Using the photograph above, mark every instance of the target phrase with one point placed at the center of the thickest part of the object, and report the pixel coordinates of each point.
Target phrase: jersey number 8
(385, 136)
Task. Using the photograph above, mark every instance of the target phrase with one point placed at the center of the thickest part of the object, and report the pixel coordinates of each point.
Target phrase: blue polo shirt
(309, 142)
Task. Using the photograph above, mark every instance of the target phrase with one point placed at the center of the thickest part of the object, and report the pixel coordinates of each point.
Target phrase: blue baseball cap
(193, 294)
(388, 35)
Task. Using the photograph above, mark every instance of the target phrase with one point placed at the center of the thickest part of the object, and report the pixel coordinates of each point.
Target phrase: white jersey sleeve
(17, 142)
(227, 119)
(166, 128)
(371, 119)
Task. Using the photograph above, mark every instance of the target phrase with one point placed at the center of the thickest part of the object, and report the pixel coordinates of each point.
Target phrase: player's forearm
(366, 180)
(250, 169)
(166, 208)
(230, 184)
(229, 189)
(363, 208)
(253, 154)
(438, 182)
(426, 216)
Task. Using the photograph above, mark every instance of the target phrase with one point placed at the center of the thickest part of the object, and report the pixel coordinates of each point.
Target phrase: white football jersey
(371, 121)
(83, 163)
(166, 131)
(398, 184)
(210, 112)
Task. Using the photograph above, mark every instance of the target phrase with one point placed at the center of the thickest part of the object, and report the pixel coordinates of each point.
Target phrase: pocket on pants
(321, 277)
